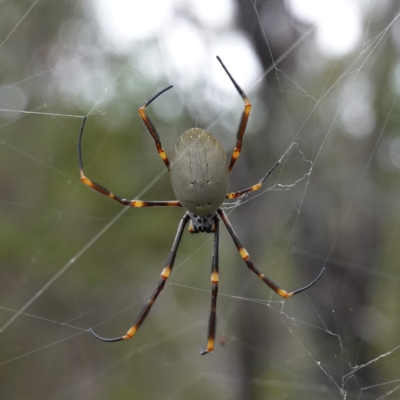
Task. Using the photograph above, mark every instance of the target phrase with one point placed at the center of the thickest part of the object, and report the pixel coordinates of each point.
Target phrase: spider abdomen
(199, 172)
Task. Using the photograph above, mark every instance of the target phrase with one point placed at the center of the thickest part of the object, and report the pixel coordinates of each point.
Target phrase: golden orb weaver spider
(200, 180)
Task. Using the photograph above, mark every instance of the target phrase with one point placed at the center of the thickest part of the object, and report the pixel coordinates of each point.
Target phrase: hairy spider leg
(246, 257)
(164, 276)
(151, 128)
(255, 187)
(243, 120)
(212, 322)
(103, 190)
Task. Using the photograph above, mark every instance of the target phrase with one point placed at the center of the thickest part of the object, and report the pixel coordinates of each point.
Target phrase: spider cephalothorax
(202, 223)
(200, 180)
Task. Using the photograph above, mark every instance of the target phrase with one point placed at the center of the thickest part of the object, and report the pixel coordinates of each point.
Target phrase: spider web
(72, 260)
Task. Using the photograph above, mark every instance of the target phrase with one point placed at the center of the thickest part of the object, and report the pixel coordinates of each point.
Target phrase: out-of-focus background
(323, 79)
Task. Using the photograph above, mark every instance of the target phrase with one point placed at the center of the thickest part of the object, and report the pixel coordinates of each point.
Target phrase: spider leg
(103, 190)
(243, 120)
(164, 276)
(255, 187)
(246, 257)
(212, 323)
(151, 128)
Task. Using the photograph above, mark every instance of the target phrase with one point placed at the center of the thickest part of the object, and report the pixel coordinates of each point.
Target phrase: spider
(200, 180)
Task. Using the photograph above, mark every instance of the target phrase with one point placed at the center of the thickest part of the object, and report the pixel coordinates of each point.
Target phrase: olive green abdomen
(199, 172)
